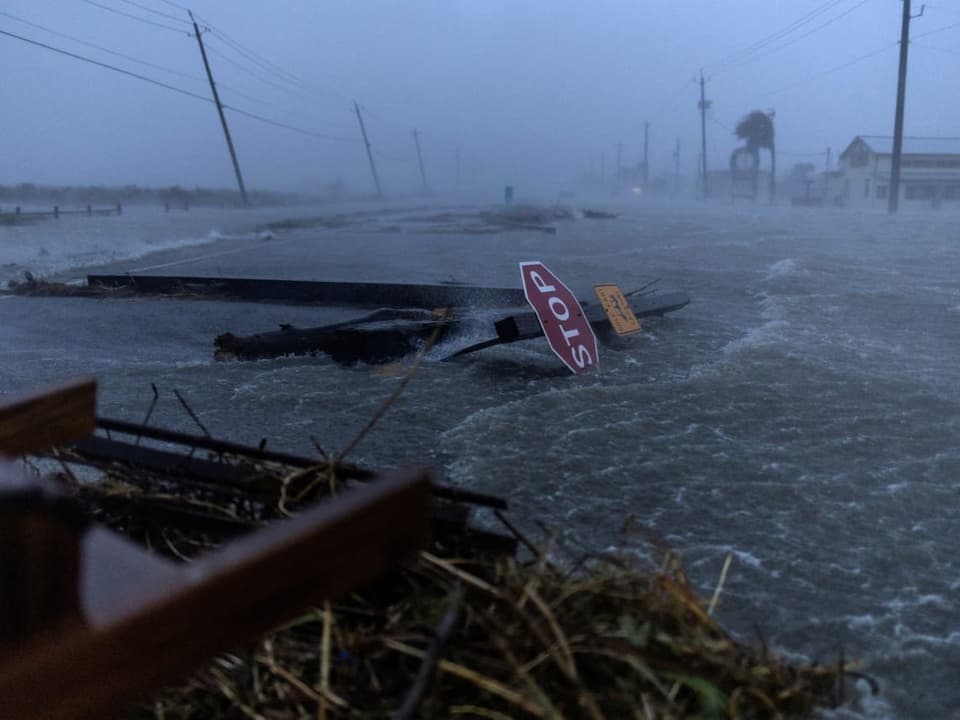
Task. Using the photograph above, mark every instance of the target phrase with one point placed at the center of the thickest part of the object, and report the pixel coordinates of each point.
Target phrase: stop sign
(561, 317)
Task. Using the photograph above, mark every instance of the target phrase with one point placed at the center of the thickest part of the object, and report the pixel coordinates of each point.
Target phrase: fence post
(56, 211)
(89, 210)
(119, 209)
(17, 210)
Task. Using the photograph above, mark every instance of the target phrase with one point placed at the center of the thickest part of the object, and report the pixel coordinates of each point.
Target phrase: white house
(929, 172)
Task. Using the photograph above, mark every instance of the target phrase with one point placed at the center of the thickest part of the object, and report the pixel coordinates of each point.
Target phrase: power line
(254, 74)
(175, 5)
(782, 32)
(180, 31)
(807, 34)
(938, 30)
(106, 65)
(174, 88)
(251, 55)
(834, 69)
(145, 63)
(155, 12)
(924, 46)
(311, 133)
(75, 39)
(716, 122)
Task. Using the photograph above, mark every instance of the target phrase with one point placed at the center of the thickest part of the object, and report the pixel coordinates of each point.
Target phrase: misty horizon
(535, 96)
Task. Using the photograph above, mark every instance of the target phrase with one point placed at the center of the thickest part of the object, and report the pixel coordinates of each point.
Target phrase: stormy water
(801, 414)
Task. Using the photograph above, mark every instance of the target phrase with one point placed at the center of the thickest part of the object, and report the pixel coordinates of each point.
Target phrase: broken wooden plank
(56, 415)
(360, 294)
(132, 644)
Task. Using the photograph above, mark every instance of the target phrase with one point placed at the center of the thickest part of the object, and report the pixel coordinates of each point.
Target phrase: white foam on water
(787, 266)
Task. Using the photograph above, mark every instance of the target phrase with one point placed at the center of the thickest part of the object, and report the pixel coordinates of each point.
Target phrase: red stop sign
(561, 317)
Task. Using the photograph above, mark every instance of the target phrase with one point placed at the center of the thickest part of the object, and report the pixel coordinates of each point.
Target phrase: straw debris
(459, 633)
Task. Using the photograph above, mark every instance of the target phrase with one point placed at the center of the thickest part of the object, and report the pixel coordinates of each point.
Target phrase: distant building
(929, 172)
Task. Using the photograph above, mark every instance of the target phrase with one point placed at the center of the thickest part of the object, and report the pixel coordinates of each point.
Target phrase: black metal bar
(345, 469)
(362, 294)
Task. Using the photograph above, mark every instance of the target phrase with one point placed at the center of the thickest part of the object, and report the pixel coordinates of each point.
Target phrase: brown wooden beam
(55, 415)
(133, 644)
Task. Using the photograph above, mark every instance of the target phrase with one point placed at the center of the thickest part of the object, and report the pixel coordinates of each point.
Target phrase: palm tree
(757, 130)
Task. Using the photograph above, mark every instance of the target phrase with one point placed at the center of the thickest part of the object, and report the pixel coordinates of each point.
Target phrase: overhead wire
(175, 5)
(137, 17)
(293, 128)
(156, 12)
(836, 68)
(173, 88)
(924, 46)
(938, 30)
(252, 73)
(196, 78)
(85, 59)
(264, 64)
(101, 48)
(798, 38)
(776, 35)
(252, 56)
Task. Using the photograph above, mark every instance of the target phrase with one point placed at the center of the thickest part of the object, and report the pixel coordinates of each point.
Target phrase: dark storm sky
(533, 93)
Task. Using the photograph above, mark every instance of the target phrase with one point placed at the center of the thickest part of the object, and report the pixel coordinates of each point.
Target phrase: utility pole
(646, 155)
(366, 142)
(676, 168)
(704, 104)
(223, 120)
(423, 174)
(893, 196)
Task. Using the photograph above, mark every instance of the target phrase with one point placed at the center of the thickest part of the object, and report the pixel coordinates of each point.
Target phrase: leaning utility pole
(363, 131)
(703, 105)
(676, 168)
(646, 153)
(223, 120)
(423, 174)
(893, 198)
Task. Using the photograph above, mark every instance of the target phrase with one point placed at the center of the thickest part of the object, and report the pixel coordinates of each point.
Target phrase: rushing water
(801, 414)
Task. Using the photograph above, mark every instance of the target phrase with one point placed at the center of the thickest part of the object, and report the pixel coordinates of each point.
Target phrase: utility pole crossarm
(223, 119)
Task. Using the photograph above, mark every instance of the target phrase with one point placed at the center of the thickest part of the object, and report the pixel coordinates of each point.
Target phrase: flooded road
(802, 413)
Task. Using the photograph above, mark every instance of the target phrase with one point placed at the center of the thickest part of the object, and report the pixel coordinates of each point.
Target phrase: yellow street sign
(617, 308)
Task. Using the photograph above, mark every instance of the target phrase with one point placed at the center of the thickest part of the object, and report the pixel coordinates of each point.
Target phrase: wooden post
(893, 193)
(89, 210)
(119, 209)
(704, 104)
(223, 120)
(423, 174)
(366, 142)
(56, 211)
